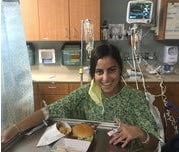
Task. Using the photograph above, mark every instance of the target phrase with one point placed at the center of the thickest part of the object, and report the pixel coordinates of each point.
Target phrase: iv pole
(135, 47)
(81, 54)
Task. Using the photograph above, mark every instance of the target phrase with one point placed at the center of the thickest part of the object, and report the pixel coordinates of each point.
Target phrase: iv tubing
(133, 55)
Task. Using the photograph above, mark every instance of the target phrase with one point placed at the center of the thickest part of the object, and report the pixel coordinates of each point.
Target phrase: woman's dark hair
(102, 51)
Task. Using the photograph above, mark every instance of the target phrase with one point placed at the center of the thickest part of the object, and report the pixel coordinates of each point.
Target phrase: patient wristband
(147, 139)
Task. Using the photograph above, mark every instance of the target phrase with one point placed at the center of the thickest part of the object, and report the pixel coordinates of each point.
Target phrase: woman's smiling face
(108, 75)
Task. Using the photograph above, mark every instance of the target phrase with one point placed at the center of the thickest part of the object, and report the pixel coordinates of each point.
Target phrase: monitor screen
(139, 12)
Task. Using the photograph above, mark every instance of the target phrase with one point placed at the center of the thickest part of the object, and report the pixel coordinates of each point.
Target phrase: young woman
(104, 99)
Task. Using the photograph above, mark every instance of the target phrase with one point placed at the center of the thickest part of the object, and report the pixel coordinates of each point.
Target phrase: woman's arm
(67, 107)
(142, 126)
(28, 122)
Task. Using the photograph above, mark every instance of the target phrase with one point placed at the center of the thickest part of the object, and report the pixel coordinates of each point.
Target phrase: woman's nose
(105, 76)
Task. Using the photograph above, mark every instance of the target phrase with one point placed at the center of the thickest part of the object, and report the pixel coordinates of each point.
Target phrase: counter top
(51, 73)
(44, 73)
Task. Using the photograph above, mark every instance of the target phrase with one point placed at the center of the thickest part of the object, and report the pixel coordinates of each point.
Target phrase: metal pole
(81, 54)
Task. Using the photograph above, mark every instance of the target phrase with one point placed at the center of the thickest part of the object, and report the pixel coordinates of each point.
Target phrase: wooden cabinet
(73, 86)
(50, 92)
(58, 19)
(53, 20)
(84, 9)
(162, 20)
(30, 20)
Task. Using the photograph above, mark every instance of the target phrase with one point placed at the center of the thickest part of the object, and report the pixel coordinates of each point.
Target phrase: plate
(70, 145)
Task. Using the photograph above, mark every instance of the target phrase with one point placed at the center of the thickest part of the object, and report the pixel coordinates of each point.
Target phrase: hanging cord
(133, 45)
(168, 116)
(143, 79)
(135, 69)
(139, 38)
(140, 71)
(123, 80)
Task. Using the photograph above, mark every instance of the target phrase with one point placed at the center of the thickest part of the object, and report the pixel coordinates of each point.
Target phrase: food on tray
(71, 145)
(83, 131)
(62, 149)
(63, 127)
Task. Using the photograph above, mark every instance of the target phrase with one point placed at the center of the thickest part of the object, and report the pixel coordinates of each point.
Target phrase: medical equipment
(71, 55)
(170, 58)
(87, 36)
(139, 11)
(47, 56)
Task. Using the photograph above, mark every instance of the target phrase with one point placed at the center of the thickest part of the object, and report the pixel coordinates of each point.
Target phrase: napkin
(50, 135)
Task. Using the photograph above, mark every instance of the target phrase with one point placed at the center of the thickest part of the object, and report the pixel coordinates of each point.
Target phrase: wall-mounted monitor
(139, 11)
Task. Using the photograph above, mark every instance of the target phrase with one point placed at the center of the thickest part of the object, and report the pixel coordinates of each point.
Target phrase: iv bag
(89, 35)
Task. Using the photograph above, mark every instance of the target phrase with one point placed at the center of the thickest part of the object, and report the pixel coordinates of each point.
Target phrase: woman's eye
(112, 70)
(99, 72)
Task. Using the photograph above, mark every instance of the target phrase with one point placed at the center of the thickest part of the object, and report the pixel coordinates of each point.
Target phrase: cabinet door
(30, 20)
(50, 92)
(84, 9)
(54, 19)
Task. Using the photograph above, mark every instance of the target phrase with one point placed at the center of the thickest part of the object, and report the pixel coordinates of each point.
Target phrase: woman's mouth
(106, 86)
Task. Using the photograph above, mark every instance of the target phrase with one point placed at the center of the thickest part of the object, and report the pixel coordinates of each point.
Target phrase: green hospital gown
(129, 105)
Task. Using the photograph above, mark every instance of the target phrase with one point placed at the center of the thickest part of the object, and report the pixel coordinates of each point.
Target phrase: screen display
(139, 12)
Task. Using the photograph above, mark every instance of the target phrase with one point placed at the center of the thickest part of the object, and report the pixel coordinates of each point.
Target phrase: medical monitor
(139, 12)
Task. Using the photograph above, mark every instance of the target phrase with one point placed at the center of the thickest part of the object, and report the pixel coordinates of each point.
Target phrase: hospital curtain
(16, 81)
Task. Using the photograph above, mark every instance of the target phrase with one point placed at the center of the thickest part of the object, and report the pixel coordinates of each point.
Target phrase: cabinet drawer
(53, 88)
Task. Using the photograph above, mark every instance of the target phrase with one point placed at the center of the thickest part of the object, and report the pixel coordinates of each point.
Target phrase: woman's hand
(34, 119)
(127, 133)
(9, 133)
